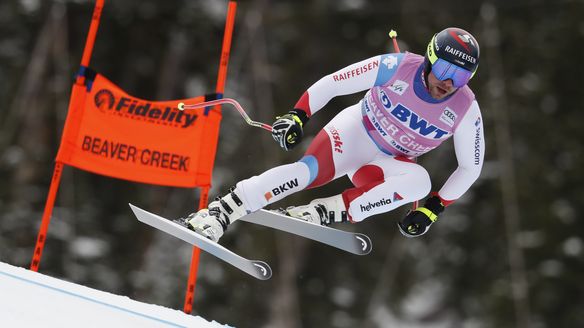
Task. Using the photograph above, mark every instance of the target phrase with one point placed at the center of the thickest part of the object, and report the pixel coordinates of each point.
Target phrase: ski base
(257, 269)
(352, 242)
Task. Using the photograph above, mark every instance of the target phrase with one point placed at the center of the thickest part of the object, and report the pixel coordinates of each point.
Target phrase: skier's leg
(339, 147)
(380, 186)
(383, 185)
(248, 196)
(342, 146)
(273, 185)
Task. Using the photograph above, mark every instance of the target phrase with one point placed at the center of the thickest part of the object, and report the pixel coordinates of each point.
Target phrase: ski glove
(287, 129)
(418, 221)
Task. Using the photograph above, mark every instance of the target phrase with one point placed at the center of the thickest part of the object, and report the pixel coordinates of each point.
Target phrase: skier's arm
(351, 79)
(287, 130)
(469, 146)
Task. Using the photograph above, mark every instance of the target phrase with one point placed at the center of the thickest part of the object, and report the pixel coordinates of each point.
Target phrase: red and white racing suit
(374, 140)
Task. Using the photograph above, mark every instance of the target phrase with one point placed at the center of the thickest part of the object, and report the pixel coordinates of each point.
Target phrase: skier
(413, 104)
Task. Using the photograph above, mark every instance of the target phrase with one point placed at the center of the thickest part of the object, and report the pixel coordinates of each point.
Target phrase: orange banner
(111, 133)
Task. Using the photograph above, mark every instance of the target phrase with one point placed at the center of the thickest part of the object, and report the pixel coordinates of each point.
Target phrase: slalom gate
(111, 133)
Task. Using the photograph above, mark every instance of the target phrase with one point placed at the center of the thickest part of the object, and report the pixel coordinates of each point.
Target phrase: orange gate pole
(56, 180)
(220, 88)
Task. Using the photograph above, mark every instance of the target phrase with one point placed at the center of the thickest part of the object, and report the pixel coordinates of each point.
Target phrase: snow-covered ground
(30, 299)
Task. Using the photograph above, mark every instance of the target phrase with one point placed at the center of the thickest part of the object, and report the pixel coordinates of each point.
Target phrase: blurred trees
(456, 276)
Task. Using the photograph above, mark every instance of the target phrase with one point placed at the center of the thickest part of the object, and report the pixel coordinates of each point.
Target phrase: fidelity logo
(106, 102)
(104, 99)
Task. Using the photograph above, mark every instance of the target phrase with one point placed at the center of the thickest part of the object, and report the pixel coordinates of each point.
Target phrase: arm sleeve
(351, 79)
(469, 145)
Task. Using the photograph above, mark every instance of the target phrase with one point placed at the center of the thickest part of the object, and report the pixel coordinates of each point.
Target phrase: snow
(31, 299)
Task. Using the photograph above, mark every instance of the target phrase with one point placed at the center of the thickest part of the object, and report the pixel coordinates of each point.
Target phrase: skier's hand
(418, 221)
(287, 130)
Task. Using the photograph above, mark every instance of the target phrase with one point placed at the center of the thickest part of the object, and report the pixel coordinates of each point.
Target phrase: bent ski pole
(234, 103)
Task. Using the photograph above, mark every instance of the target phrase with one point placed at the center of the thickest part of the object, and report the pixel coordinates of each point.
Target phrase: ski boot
(212, 222)
(323, 211)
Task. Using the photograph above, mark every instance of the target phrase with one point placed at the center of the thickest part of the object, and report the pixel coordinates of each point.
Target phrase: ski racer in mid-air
(413, 104)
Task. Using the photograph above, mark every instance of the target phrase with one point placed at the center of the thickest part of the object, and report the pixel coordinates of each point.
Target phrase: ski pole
(393, 37)
(234, 103)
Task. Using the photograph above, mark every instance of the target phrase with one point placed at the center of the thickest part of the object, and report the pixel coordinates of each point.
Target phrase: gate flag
(111, 133)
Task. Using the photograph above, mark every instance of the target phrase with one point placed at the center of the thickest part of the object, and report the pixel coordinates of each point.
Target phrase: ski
(257, 269)
(352, 242)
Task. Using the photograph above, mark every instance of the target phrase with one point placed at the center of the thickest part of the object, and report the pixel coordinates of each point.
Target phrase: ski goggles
(444, 70)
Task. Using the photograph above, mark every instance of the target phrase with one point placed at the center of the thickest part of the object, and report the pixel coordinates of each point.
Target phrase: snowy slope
(30, 299)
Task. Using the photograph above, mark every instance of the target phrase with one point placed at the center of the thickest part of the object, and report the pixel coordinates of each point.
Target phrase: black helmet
(457, 47)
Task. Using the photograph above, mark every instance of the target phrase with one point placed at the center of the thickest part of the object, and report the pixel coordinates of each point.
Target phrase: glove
(418, 221)
(287, 129)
